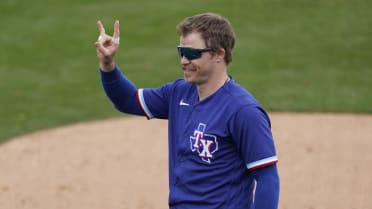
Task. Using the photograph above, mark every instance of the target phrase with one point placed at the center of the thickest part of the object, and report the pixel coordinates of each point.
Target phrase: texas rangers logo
(204, 144)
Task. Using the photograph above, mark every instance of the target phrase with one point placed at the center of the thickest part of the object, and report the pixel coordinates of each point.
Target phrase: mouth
(184, 69)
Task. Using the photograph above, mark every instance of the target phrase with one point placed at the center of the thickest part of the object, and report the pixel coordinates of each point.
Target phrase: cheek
(202, 71)
(205, 67)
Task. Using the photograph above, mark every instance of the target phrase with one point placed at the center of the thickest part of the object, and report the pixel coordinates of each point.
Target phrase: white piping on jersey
(142, 102)
(263, 162)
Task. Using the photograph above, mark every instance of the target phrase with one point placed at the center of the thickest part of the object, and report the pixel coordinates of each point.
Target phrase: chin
(188, 79)
(192, 81)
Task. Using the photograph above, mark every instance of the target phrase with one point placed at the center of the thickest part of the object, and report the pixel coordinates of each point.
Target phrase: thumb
(101, 49)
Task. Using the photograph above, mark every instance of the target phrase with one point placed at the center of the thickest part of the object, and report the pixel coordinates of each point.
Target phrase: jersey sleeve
(251, 131)
(120, 91)
(154, 102)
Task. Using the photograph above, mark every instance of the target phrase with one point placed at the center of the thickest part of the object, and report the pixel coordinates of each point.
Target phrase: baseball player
(221, 149)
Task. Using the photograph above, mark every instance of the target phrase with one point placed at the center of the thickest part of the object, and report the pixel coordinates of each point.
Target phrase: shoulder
(239, 95)
(243, 104)
(178, 83)
(173, 89)
(170, 87)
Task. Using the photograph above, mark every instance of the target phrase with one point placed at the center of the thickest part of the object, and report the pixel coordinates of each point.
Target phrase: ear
(220, 55)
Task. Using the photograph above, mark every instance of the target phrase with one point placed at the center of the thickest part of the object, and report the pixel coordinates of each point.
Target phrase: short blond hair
(215, 29)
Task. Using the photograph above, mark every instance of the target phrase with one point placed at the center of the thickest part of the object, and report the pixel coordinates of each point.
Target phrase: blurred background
(293, 55)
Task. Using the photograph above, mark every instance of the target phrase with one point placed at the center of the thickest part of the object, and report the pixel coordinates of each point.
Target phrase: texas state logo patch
(205, 145)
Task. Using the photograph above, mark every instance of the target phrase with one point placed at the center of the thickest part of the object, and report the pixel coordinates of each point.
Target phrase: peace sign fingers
(102, 33)
(107, 46)
(116, 35)
(101, 29)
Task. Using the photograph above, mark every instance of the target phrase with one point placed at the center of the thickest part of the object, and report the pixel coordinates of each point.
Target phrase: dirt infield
(324, 163)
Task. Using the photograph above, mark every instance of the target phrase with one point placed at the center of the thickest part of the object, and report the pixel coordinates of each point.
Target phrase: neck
(209, 88)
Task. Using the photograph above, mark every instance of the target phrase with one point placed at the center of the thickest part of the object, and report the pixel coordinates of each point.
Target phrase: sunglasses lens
(189, 53)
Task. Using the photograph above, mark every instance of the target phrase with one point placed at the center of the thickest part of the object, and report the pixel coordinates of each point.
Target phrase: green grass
(293, 55)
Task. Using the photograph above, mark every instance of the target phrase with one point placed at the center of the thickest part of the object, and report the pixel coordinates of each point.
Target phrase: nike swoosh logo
(183, 103)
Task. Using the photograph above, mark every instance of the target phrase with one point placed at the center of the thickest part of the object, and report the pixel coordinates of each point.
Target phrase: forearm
(120, 91)
(267, 189)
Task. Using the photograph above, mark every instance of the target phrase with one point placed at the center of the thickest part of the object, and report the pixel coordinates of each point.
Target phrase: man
(221, 150)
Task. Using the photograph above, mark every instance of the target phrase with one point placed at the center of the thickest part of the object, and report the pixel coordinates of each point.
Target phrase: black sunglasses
(191, 53)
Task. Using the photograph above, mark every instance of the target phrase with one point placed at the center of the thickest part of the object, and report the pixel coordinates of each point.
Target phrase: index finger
(101, 28)
(116, 29)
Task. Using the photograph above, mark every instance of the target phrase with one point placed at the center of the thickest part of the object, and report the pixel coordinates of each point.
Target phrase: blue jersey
(214, 144)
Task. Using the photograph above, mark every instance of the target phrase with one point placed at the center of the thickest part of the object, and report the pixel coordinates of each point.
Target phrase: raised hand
(107, 46)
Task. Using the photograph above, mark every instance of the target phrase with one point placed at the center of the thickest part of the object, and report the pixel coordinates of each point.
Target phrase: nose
(184, 60)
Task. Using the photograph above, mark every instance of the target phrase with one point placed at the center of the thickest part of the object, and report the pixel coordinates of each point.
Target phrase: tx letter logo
(204, 144)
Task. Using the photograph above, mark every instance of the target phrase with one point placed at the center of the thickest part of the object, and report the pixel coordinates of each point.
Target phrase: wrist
(107, 67)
